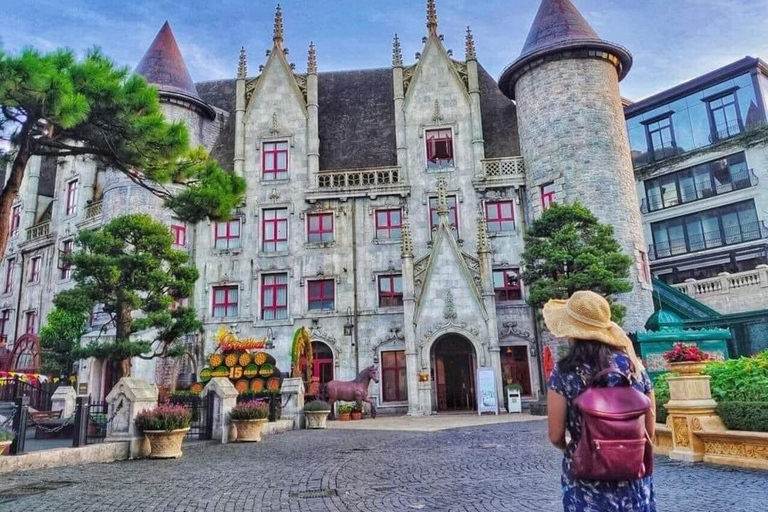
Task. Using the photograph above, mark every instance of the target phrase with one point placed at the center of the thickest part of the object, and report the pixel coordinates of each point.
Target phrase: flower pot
(344, 416)
(688, 367)
(357, 415)
(165, 444)
(316, 419)
(4, 447)
(249, 431)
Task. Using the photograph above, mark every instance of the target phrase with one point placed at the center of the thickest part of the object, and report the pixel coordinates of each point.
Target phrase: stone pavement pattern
(507, 467)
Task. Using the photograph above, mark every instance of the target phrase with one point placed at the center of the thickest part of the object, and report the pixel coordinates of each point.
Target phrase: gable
(434, 75)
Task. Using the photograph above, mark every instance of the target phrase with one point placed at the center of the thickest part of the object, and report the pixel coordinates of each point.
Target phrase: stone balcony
(501, 172)
(38, 236)
(93, 215)
(730, 293)
(373, 182)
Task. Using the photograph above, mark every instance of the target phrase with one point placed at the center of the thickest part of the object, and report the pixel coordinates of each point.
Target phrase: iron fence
(37, 396)
(201, 409)
(273, 399)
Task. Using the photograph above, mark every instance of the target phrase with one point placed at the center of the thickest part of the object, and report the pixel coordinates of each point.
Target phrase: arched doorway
(454, 362)
(322, 369)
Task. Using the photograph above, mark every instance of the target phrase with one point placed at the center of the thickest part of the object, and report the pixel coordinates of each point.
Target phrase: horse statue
(353, 390)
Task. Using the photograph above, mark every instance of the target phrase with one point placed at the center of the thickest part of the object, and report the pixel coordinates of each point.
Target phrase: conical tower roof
(560, 26)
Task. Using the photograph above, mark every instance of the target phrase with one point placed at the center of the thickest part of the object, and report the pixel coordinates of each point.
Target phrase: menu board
(487, 400)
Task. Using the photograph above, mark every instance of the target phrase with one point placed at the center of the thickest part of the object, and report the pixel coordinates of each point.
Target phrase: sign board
(487, 400)
(82, 388)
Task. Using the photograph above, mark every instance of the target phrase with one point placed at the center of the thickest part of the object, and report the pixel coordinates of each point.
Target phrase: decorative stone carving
(407, 248)
(461, 70)
(437, 116)
(320, 334)
(449, 310)
(312, 59)
(510, 330)
(397, 53)
(275, 130)
(680, 431)
(301, 82)
(483, 244)
(242, 65)
(469, 46)
(408, 76)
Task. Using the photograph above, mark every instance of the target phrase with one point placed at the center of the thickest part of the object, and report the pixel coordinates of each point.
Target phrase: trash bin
(514, 402)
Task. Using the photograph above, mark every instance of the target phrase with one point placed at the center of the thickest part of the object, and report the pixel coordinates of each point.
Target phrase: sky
(671, 40)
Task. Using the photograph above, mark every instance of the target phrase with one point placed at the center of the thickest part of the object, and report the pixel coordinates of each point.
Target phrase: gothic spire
(442, 196)
(164, 67)
(312, 59)
(242, 69)
(397, 53)
(469, 46)
(431, 18)
(277, 33)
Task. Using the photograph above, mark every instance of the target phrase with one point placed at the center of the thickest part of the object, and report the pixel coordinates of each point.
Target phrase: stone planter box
(4, 447)
(688, 368)
(249, 431)
(316, 419)
(736, 448)
(165, 445)
(662, 441)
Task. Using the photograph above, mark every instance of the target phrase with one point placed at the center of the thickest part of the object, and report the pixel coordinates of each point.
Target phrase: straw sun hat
(587, 316)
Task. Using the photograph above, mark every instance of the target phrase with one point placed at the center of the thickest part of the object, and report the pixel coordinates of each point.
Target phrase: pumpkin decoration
(244, 359)
(273, 384)
(242, 385)
(230, 360)
(215, 360)
(196, 388)
(258, 385)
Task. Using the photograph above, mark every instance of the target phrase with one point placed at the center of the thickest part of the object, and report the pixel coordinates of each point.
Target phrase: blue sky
(672, 40)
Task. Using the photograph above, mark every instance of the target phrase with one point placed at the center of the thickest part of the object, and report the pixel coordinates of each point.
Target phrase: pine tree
(54, 105)
(128, 269)
(566, 250)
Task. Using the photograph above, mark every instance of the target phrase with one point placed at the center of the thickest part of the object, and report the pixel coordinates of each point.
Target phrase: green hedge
(740, 380)
(750, 416)
(661, 390)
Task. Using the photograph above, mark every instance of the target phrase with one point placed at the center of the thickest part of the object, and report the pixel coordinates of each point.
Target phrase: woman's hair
(593, 353)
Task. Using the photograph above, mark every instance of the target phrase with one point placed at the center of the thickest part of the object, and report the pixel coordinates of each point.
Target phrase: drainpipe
(354, 288)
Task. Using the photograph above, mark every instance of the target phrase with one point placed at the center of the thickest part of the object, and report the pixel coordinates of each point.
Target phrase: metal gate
(201, 427)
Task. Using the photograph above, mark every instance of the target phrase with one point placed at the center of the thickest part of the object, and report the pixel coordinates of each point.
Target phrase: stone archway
(454, 364)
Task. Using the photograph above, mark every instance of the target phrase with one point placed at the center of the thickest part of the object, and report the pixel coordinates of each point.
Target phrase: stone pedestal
(691, 410)
(292, 396)
(63, 399)
(126, 400)
(225, 398)
(425, 398)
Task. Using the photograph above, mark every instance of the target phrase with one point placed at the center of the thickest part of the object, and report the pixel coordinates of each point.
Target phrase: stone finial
(483, 244)
(275, 130)
(397, 53)
(442, 196)
(437, 115)
(242, 69)
(312, 59)
(277, 33)
(407, 249)
(431, 17)
(469, 46)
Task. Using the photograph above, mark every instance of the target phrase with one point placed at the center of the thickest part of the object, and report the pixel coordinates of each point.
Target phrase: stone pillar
(478, 144)
(239, 161)
(225, 398)
(399, 90)
(489, 301)
(425, 398)
(313, 127)
(63, 399)
(763, 275)
(126, 400)
(409, 329)
(292, 395)
(691, 410)
(28, 194)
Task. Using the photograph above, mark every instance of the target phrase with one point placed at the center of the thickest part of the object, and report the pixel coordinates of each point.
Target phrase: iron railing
(707, 240)
(201, 426)
(273, 399)
(37, 396)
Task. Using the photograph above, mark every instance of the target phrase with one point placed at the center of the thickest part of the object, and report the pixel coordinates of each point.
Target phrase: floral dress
(590, 496)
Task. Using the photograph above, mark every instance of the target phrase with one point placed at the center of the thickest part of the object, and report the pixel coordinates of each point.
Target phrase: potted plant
(344, 410)
(686, 359)
(316, 412)
(249, 418)
(6, 438)
(357, 412)
(165, 427)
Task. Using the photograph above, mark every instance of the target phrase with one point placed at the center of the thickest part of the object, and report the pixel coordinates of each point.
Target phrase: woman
(596, 343)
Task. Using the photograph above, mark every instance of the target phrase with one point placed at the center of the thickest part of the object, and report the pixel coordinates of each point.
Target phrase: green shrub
(661, 389)
(316, 405)
(6, 435)
(750, 416)
(740, 380)
(182, 393)
(345, 408)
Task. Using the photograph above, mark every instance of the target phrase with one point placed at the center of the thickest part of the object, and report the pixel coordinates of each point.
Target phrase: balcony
(38, 231)
(730, 293)
(708, 240)
(501, 172)
(347, 183)
(93, 215)
(690, 194)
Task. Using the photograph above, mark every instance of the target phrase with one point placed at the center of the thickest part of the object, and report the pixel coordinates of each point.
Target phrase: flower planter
(4, 447)
(165, 444)
(344, 416)
(316, 419)
(249, 431)
(688, 367)
(357, 415)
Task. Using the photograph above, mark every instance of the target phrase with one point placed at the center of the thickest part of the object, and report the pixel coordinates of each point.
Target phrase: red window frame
(389, 224)
(273, 221)
(500, 216)
(439, 147)
(9, 275)
(271, 153)
(321, 295)
(229, 237)
(15, 220)
(393, 372)
(391, 290)
(224, 303)
(72, 188)
(5, 319)
(319, 228)
(273, 286)
(507, 289)
(65, 269)
(547, 196)
(453, 213)
(179, 232)
(30, 322)
(34, 269)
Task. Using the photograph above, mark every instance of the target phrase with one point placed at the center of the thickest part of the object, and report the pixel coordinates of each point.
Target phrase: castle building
(385, 208)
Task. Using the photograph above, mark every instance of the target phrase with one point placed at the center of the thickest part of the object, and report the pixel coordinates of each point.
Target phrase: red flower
(682, 353)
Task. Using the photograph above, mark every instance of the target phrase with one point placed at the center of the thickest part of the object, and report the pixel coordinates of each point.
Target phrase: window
(389, 224)
(179, 232)
(274, 230)
(274, 161)
(30, 322)
(434, 218)
(500, 217)
(321, 295)
(506, 285)
(34, 269)
(724, 117)
(15, 220)
(5, 319)
(390, 291)
(65, 269)
(225, 303)
(227, 234)
(319, 228)
(393, 376)
(274, 296)
(661, 136)
(72, 187)
(439, 148)
(547, 196)
(9, 275)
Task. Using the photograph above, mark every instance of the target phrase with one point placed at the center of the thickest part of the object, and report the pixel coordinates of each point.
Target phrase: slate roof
(221, 94)
(163, 66)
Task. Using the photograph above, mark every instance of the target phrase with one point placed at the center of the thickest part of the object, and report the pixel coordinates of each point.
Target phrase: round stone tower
(573, 133)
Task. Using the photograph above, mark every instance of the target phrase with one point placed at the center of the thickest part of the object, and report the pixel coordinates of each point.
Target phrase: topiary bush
(316, 405)
(750, 416)
(661, 389)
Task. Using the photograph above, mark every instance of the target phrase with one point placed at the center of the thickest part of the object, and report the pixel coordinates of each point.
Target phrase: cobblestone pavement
(492, 467)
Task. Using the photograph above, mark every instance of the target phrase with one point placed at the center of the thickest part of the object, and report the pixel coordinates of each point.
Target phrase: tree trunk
(12, 187)
(123, 332)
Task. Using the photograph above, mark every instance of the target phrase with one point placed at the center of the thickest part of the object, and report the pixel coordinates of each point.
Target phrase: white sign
(487, 400)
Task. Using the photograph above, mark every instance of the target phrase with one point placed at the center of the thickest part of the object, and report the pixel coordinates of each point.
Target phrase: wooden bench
(35, 416)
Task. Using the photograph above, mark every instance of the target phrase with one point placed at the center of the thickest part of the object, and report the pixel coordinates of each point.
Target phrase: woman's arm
(557, 408)
(650, 419)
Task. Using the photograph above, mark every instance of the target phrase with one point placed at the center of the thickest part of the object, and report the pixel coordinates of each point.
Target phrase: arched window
(322, 368)
(25, 357)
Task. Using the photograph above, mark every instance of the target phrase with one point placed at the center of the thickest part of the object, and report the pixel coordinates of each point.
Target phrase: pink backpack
(614, 444)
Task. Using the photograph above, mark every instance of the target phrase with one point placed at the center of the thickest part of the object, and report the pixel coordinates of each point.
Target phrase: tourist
(596, 344)
(5, 355)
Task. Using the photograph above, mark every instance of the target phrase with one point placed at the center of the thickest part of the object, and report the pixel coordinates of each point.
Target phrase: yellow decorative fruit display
(244, 359)
(215, 360)
(230, 360)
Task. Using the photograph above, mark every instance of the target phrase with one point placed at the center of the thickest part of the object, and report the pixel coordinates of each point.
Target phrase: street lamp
(349, 325)
(270, 339)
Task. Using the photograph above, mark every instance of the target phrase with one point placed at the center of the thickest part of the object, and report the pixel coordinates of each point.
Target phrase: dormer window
(439, 148)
